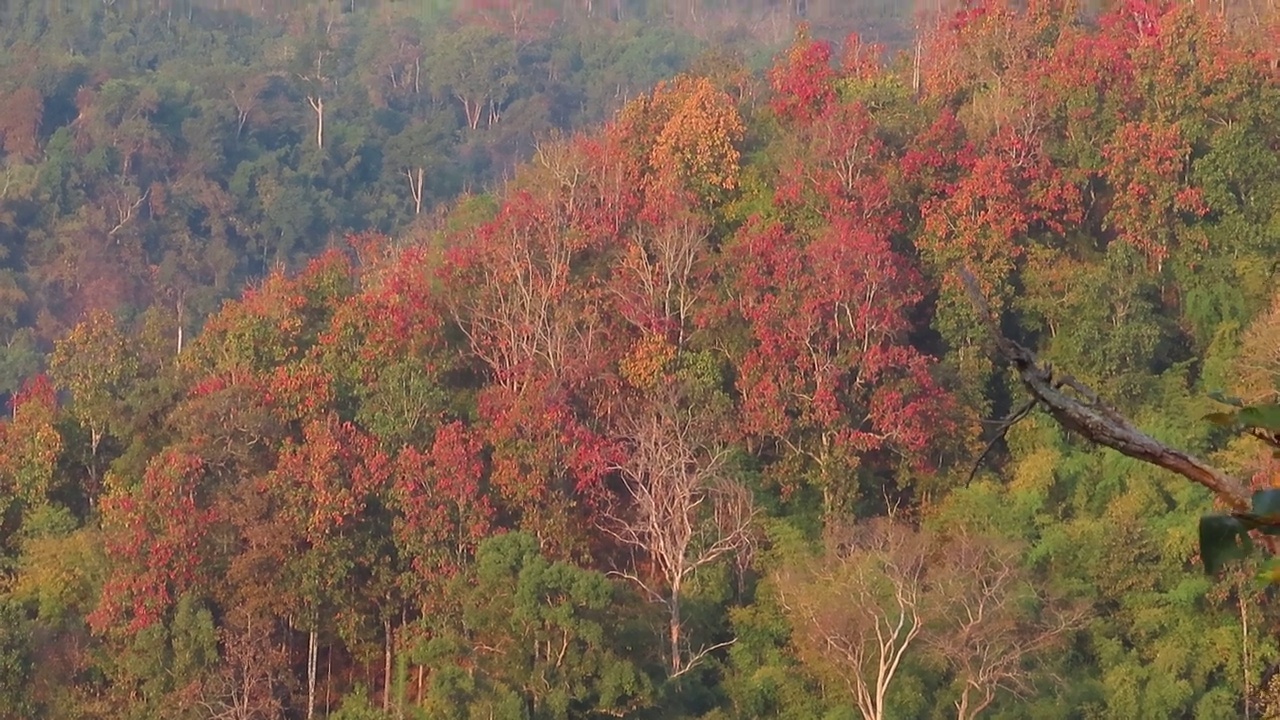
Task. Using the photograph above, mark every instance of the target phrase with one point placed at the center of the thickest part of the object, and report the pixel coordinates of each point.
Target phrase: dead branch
(1013, 419)
(1085, 413)
(124, 212)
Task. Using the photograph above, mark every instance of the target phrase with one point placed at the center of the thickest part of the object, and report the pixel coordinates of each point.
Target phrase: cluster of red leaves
(804, 80)
(29, 443)
(830, 368)
(440, 495)
(543, 446)
(1148, 163)
(329, 477)
(155, 534)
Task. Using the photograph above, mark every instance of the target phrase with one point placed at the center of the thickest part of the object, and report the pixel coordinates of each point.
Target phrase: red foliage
(1148, 163)
(661, 275)
(542, 446)
(396, 314)
(984, 216)
(516, 286)
(443, 509)
(329, 477)
(37, 395)
(30, 443)
(298, 391)
(831, 372)
(842, 169)
(803, 80)
(861, 60)
(154, 534)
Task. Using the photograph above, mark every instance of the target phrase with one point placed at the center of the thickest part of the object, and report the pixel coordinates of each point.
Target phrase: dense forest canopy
(558, 360)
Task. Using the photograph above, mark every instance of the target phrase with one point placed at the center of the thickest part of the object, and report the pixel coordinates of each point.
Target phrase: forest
(716, 359)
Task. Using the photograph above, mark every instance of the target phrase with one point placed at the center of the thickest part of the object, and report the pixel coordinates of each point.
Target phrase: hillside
(686, 418)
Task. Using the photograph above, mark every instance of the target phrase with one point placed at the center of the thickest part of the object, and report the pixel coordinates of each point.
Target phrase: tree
(691, 130)
(992, 623)
(829, 377)
(534, 638)
(155, 534)
(95, 363)
(474, 65)
(248, 682)
(680, 510)
(858, 609)
(20, 122)
(29, 446)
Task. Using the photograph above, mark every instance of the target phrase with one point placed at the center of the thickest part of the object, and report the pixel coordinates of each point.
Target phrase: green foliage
(534, 639)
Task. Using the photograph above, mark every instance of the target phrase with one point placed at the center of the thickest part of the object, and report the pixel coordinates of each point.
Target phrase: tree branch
(1094, 419)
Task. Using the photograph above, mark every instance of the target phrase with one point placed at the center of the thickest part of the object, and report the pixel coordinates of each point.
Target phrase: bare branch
(124, 212)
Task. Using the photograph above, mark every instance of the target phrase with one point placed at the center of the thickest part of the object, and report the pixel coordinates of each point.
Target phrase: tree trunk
(675, 632)
(317, 104)
(415, 189)
(311, 673)
(181, 314)
(386, 668)
(1244, 649)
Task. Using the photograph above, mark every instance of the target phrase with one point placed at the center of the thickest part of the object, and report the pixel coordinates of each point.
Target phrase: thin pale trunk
(386, 668)
(962, 705)
(1244, 651)
(415, 189)
(311, 673)
(675, 632)
(915, 66)
(317, 104)
(181, 314)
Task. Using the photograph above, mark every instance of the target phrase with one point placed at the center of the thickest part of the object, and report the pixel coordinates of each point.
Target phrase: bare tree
(860, 607)
(992, 623)
(250, 682)
(1259, 360)
(679, 509)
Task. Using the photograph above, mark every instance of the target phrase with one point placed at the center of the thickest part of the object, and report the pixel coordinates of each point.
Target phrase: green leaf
(1222, 539)
(1266, 502)
(1221, 418)
(1225, 400)
(1269, 572)
(1266, 417)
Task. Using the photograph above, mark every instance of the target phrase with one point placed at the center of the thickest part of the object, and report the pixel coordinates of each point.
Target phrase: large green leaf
(1225, 400)
(1265, 515)
(1222, 539)
(1223, 419)
(1266, 503)
(1264, 417)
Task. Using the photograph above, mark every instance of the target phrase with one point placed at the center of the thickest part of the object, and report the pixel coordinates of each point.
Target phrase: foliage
(684, 418)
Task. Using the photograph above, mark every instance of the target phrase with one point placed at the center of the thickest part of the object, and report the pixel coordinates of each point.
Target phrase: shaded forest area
(678, 411)
(158, 155)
